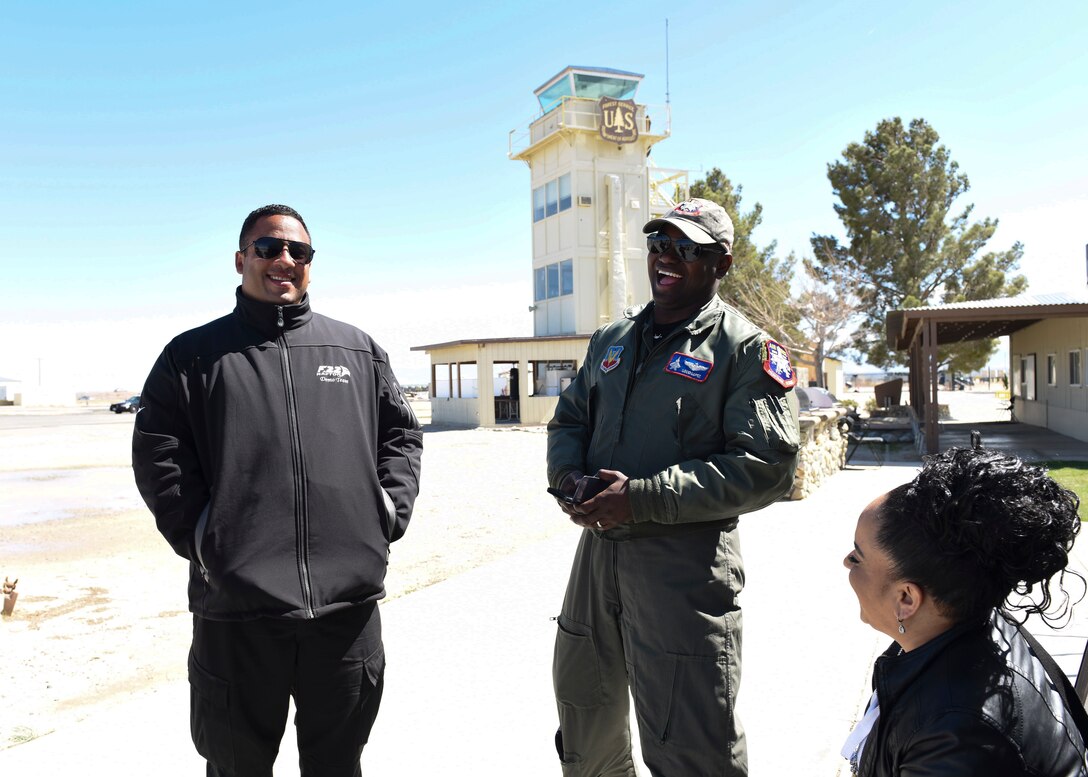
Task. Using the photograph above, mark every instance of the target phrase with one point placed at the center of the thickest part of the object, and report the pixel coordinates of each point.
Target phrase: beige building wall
(1048, 396)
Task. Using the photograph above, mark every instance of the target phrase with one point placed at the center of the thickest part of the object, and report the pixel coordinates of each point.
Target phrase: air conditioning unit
(584, 200)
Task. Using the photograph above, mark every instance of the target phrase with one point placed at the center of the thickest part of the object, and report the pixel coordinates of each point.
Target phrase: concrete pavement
(468, 685)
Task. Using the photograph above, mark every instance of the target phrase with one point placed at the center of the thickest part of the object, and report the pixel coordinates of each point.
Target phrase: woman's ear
(908, 600)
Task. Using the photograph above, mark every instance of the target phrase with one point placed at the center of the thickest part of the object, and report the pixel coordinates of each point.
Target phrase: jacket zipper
(302, 545)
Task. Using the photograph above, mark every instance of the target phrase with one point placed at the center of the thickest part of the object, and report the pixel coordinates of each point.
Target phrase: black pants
(242, 673)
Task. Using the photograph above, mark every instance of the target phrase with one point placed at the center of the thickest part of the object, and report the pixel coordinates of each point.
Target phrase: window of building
(440, 380)
(564, 192)
(551, 198)
(538, 203)
(1074, 368)
(553, 280)
(549, 378)
(467, 383)
(1051, 369)
(540, 284)
(566, 277)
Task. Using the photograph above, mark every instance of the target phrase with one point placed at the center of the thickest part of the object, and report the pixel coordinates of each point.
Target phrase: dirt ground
(102, 609)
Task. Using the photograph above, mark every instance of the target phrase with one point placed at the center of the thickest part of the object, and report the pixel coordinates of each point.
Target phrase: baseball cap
(703, 221)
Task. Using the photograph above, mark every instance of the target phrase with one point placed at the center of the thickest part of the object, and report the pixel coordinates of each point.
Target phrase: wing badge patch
(690, 367)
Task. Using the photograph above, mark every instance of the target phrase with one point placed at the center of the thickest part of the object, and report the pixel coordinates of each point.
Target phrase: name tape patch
(690, 367)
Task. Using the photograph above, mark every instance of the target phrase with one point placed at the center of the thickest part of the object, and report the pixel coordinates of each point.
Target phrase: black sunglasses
(683, 249)
(272, 247)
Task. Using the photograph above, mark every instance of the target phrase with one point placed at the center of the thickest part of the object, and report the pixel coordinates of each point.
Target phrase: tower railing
(583, 114)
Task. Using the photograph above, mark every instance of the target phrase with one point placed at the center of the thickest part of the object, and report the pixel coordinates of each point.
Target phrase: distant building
(1048, 354)
(9, 387)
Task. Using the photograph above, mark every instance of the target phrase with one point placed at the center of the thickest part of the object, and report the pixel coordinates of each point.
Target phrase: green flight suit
(705, 433)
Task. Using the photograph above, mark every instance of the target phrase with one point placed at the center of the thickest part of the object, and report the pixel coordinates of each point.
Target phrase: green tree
(759, 282)
(906, 248)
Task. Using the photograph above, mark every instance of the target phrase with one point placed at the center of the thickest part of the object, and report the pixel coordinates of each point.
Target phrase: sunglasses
(683, 249)
(272, 247)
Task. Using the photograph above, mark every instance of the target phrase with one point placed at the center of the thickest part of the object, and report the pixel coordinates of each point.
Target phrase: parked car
(130, 405)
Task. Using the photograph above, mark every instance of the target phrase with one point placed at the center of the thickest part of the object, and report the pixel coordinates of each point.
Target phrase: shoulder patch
(777, 364)
(611, 358)
(690, 367)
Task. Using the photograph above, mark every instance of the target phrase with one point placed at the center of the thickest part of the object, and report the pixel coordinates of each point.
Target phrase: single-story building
(493, 381)
(1048, 354)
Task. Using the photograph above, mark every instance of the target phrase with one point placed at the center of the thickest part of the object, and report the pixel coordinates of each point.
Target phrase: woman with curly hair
(939, 565)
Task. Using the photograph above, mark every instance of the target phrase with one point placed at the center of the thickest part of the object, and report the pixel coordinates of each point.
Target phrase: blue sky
(134, 137)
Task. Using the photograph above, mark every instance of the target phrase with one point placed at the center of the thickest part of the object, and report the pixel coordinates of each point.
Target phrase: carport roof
(986, 318)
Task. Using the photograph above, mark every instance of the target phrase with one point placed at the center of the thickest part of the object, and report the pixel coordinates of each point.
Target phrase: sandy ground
(102, 610)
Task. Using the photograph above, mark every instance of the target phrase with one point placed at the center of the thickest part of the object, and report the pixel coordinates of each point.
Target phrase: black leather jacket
(279, 455)
(973, 701)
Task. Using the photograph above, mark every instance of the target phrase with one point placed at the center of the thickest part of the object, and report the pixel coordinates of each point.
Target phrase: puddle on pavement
(34, 496)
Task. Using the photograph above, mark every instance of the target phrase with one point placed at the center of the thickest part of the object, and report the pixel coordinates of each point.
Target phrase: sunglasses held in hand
(683, 249)
(272, 247)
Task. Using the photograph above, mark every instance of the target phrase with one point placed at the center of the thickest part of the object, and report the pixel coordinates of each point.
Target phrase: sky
(135, 137)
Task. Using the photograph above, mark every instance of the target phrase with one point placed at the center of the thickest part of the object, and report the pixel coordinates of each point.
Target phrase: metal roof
(983, 319)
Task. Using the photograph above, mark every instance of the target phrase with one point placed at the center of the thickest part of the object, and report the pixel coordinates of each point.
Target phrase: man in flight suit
(683, 409)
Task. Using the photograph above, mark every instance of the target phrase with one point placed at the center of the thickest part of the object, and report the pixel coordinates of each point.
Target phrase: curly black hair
(261, 212)
(974, 527)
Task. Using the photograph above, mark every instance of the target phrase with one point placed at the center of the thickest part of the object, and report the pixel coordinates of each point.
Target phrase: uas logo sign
(333, 374)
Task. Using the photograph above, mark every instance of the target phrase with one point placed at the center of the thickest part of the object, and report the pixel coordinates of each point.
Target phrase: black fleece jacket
(279, 455)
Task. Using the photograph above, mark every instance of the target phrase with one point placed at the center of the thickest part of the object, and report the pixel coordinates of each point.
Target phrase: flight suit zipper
(298, 470)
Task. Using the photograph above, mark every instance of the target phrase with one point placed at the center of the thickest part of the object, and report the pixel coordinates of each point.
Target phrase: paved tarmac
(468, 685)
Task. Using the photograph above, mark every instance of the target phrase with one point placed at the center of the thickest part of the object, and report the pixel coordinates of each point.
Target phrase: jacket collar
(266, 318)
(893, 673)
(707, 315)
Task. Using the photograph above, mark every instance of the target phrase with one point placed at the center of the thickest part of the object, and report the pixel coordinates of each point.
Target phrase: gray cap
(703, 221)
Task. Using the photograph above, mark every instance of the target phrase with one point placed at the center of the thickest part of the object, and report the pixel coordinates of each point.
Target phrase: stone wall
(823, 449)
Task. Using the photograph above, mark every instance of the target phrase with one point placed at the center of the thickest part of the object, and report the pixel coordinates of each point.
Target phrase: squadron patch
(611, 358)
(689, 367)
(776, 363)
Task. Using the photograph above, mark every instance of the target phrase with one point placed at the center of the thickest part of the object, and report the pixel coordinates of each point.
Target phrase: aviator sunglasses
(272, 247)
(683, 249)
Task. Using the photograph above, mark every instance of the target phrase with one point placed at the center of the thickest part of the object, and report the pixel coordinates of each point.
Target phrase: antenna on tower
(666, 60)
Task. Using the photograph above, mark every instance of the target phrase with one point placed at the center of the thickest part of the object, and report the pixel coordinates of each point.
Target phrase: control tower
(593, 187)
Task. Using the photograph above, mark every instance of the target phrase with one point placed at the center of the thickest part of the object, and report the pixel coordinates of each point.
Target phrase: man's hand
(608, 509)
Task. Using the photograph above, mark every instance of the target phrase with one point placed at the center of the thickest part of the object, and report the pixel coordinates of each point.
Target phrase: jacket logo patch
(611, 358)
(689, 367)
(776, 363)
(333, 373)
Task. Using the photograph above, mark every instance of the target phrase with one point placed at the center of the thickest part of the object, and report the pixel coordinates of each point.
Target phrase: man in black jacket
(280, 457)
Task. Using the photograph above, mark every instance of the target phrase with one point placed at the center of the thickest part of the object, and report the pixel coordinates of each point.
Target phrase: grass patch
(1072, 475)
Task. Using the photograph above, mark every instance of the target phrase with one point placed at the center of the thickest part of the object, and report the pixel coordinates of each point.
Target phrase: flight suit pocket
(576, 671)
(779, 425)
(696, 436)
(699, 709)
(209, 716)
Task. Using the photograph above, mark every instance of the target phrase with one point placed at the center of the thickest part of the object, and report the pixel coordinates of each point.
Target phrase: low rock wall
(823, 449)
